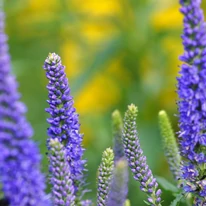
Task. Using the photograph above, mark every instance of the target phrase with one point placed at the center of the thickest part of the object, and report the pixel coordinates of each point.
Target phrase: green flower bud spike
(169, 144)
(105, 177)
(137, 160)
(127, 203)
(117, 127)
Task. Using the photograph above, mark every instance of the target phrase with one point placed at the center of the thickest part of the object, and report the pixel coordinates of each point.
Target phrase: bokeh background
(116, 52)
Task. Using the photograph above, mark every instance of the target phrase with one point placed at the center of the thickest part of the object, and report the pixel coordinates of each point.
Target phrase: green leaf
(147, 203)
(166, 185)
(177, 200)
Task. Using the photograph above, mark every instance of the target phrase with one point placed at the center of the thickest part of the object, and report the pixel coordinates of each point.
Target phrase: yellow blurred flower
(35, 12)
(174, 48)
(98, 7)
(94, 31)
(98, 95)
(41, 6)
(71, 58)
(101, 92)
(167, 18)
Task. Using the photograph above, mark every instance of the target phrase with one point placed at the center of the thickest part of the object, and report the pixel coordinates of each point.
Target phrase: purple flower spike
(119, 185)
(62, 187)
(64, 123)
(136, 159)
(192, 97)
(23, 183)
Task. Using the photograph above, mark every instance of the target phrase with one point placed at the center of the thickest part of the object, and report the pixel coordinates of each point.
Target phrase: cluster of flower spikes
(137, 160)
(20, 175)
(192, 98)
(64, 123)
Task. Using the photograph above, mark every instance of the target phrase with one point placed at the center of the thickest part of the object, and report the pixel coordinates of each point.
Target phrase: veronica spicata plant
(105, 174)
(64, 123)
(137, 160)
(192, 100)
(22, 181)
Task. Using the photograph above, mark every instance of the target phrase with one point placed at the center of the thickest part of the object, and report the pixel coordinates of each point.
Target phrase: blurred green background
(116, 52)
